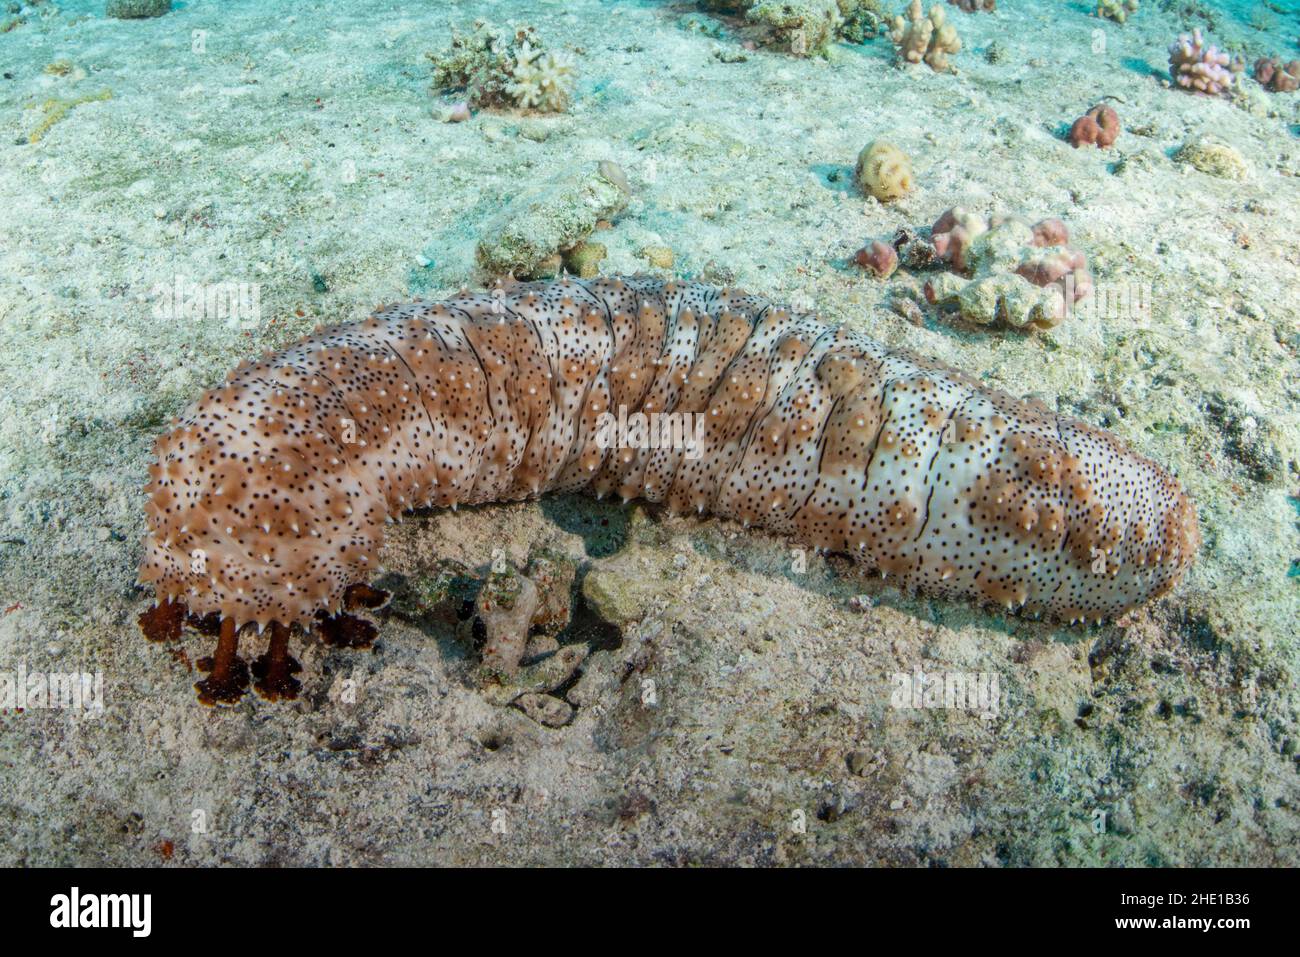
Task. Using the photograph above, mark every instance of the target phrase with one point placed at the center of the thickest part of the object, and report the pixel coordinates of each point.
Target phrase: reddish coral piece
(1276, 76)
(1099, 127)
(880, 259)
(952, 234)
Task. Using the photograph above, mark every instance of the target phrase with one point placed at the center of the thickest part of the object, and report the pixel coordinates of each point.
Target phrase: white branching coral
(543, 79)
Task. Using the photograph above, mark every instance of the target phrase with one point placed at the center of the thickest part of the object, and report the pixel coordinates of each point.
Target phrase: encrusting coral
(1117, 10)
(1205, 70)
(925, 38)
(1098, 127)
(883, 171)
(498, 68)
(1002, 270)
(1276, 76)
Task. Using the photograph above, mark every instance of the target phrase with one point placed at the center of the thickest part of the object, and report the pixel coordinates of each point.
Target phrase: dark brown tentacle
(346, 631)
(275, 670)
(227, 679)
(163, 621)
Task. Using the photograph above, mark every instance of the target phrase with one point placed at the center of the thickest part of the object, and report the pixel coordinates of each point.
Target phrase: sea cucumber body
(270, 495)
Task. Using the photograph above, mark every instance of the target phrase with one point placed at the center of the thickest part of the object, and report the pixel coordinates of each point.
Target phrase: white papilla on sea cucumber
(270, 495)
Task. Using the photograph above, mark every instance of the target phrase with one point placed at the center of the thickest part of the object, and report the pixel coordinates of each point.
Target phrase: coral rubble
(1003, 271)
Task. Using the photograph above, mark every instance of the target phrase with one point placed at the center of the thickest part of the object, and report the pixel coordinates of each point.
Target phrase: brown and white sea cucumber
(269, 497)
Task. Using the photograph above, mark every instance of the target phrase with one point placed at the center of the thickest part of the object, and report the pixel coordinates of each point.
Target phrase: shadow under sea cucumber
(269, 497)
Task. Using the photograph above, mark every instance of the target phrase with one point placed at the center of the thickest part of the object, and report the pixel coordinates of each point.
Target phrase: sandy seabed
(297, 146)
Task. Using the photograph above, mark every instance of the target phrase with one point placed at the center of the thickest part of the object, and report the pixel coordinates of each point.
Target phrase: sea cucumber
(268, 501)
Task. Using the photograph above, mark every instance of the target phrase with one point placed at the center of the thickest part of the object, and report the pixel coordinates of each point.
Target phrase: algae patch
(56, 108)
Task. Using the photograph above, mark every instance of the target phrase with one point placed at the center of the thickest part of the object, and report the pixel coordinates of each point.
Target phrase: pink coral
(1099, 126)
(1276, 76)
(952, 234)
(1201, 69)
(880, 259)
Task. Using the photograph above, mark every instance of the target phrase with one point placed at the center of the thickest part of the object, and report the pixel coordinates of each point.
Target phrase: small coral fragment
(1117, 10)
(879, 258)
(541, 80)
(975, 6)
(1205, 70)
(506, 604)
(1276, 76)
(1098, 127)
(929, 39)
(883, 171)
(498, 68)
(55, 109)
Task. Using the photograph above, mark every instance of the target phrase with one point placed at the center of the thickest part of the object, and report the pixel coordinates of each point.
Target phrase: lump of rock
(550, 220)
(1213, 158)
(136, 9)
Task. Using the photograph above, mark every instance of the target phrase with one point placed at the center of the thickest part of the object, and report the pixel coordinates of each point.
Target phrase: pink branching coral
(1201, 69)
(921, 38)
(1099, 126)
(1276, 76)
